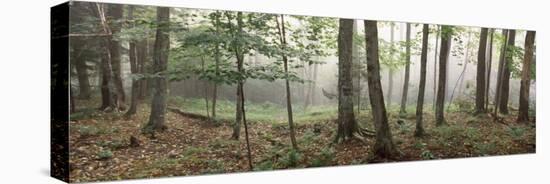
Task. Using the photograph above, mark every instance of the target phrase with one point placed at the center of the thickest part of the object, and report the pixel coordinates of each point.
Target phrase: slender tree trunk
(403, 111)
(441, 91)
(506, 74)
(435, 66)
(240, 99)
(419, 132)
(523, 114)
(243, 111)
(384, 146)
(115, 13)
(133, 67)
(314, 84)
(282, 37)
(142, 57)
(390, 69)
(347, 126)
(489, 63)
(109, 96)
(217, 67)
(501, 64)
(460, 80)
(480, 76)
(159, 83)
(205, 87)
(81, 68)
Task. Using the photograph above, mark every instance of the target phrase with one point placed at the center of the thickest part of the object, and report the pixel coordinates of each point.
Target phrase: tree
(446, 39)
(523, 114)
(403, 111)
(390, 67)
(347, 126)
(438, 31)
(115, 15)
(419, 132)
(239, 55)
(480, 77)
(283, 42)
(384, 146)
(505, 86)
(159, 82)
(132, 54)
(489, 65)
(500, 79)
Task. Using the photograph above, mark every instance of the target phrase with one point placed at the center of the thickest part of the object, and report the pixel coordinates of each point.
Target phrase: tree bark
(501, 62)
(384, 146)
(282, 37)
(217, 67)
(435, 66)
(347, 126)
(132, 54)
(240, 99)
(419, 132)
(506, 74)
(523, 114)
(480, 76)
(489, 63)
(441, 87)
(403, 111)
(160, 61)
(115, 14)
(77, 45)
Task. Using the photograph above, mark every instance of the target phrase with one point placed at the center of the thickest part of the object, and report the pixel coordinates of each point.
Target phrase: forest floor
(100, 142)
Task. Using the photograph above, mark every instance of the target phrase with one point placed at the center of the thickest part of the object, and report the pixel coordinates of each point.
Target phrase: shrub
(325, 158)
(427, 155)
(291, 159)
(105, 154)
(516, 132)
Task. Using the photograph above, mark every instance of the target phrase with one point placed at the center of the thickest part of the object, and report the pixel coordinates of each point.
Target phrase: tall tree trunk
(506, 74)
(347, 125)
(142, 58)
(205, 87)
(460, 80)
(390, 69)
(419, 132)
(108, 93)
(77, 45)
(523, 114)
(243, 111)
(384, 146)
(115, 14)
(501, 64)
(133, 67)
(160, 61)
(489, 63)
(480, 76)
(443, 57)
(358, 66)
(240, 99)
(403, 111)
(282, 37)
(217, 67)
(313, 84)
(435, 66)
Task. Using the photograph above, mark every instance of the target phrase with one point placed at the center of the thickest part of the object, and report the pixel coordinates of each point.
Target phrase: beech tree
(523, 114)
(159, 82)
(480, 77)
(446, 39)
(419, 132)
(384, 146)
(347, 126)
(506, 73)
(403, 111)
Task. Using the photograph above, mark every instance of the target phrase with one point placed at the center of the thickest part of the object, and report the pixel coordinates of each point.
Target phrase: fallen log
(189, 115)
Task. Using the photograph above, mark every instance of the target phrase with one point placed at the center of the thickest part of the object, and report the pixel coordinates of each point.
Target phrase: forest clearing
(158, 91)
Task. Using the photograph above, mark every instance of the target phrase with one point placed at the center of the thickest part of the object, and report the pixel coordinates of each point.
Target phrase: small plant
(105, 154)
(420, 145)
(324, 159)
(291, 159)
(214, 167)
(308, 137)
(265, 166)
(484, 148)
(192, 151)
(516, 132)
(427, 155)
(88, 130)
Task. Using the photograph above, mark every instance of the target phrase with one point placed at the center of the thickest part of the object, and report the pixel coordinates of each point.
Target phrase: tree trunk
(523, 114)
(390, 69)
(460, 80)
(419, 132)
(384, 146)
(435, 66)
(115, 14)
(132, 54)
(506, 74)
(108, 94)
(501, 62)
(489, 63)
(347, 126)
(403, 111)
(160, 61)
(142, 58)
(358, 67)
(480, 76)
(443, 57)
(282, 37)
(217, 67)
(240, 99)
(81, 68)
